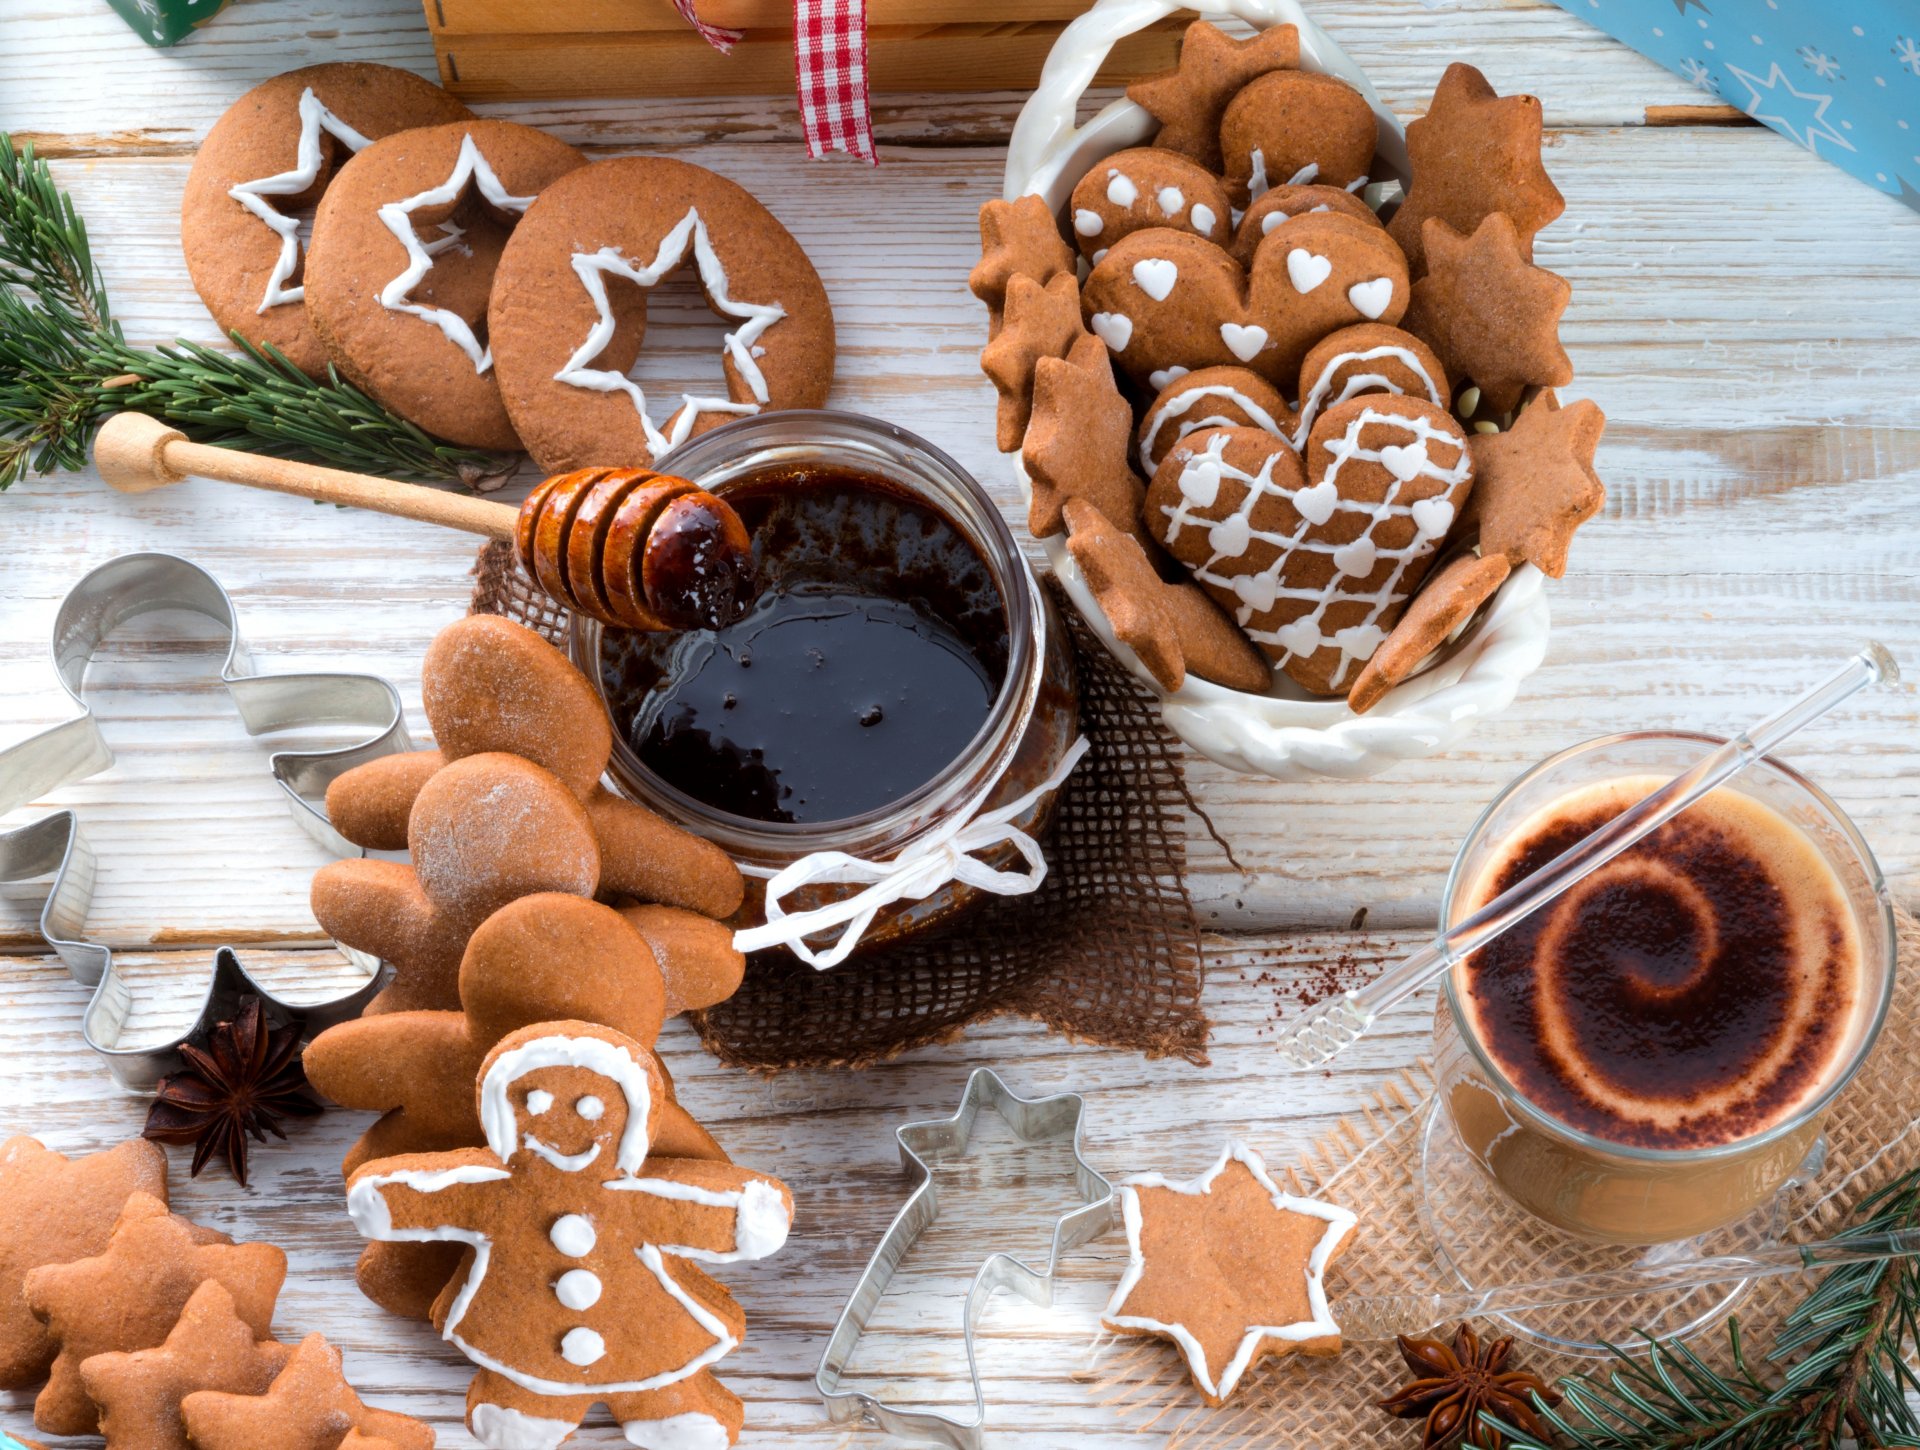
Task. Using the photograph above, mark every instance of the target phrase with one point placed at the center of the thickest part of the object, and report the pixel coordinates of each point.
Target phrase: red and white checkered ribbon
(718, 36)
(830, 74)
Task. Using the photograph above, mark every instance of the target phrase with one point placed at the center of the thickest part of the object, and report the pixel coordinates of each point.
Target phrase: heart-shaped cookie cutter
(1034, 1120)
(109, 596)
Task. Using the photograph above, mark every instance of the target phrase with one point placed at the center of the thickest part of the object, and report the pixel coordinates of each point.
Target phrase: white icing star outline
(593, 269)
(469, 167)
(314, 118)
(1340, 1223)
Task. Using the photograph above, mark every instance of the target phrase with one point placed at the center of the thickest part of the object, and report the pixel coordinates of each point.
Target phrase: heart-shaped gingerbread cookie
(1163, 299)
(1316, 572)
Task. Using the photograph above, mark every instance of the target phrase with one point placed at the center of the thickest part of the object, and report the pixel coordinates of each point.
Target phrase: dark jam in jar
(870, 659)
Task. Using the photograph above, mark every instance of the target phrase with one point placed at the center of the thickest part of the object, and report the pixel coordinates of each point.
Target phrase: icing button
(582, 1347)
(578, 1289)
(573, 1235)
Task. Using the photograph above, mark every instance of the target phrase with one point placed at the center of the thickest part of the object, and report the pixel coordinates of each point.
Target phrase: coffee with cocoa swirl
(1696, 990)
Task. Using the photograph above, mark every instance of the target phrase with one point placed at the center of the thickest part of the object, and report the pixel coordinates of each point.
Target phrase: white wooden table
(1743, 312)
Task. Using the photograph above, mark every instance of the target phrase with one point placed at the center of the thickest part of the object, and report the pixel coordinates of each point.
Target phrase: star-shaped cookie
(1078, 442)
(1445, 601)
(1474, 153)
(308, 1407)
(1039, 321)
(53, 1210)
(129, 1296)
(1534, 484)
(1491, 315)
(210, 1348)
(1229, 1268)
(1188, 100)
(1018, 238)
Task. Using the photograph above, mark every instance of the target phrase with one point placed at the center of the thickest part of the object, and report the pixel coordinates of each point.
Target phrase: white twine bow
(915, 874)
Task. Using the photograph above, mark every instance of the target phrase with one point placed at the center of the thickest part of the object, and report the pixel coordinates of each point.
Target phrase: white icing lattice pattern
(1357, 383)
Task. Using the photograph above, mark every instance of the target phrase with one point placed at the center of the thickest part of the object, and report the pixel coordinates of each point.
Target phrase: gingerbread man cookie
(1293, 128)
(271, 156)
(569, 309)
(582, 1288)
(1188, 100)
(1146, 187)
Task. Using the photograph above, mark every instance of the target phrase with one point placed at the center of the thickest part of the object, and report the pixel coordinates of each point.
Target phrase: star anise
(1455, 1386)
(247, 1079)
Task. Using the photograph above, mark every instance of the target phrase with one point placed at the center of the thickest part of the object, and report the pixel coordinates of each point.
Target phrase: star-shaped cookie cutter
(1033, 1120)
(109, 596)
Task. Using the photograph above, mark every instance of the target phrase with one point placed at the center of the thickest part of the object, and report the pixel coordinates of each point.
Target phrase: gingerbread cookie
(1077, 443)
(138, 1392)
(1316, 559)
(1146, 187)
(307, 1407)
(1163, 299)
(1536, 483)
(586, 1292)
(1173, 627)
(1228, 1267)
(405, 247)
(53, 1210)
(1210, 398)
(1491, 315)
(1039, 322)
(1278, 203)
(1368, 358)
(267, 159)
(1189, 100)
(569, 309)
(132, 1293)
(1018, 238)
(1292, 128)
(696, 955)
(1445, 602)
(1473, 154)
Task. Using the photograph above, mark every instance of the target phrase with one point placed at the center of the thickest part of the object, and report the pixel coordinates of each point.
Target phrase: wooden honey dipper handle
(135, 453)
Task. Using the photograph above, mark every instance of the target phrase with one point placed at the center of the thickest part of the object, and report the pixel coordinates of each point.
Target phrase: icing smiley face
(1146, 187)
(570, 1104)
(1163, 299)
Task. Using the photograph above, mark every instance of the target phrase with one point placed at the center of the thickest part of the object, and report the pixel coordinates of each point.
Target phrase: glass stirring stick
(1335, 1024)
(1382, 1316)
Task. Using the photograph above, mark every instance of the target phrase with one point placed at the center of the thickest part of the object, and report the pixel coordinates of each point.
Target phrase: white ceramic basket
(1286, 734)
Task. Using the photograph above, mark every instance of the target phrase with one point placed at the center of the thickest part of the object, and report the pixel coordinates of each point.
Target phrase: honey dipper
(626, 546)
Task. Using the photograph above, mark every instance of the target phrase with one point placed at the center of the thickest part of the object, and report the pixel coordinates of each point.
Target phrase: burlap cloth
(1370, 1162)
(1107, 950)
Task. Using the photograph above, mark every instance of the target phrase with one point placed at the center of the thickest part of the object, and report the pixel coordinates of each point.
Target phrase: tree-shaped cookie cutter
(1033, 1120)
(109, 596)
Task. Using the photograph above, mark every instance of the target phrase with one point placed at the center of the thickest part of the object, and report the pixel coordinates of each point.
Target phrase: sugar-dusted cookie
(53, 1210)
(696, 955)
(1211, 398)
(1491, 315)
(307, 1407)
(1018, 238)
(1040, 321)
(1078, 442)
(1369, 357)
(405, 247)
(1228, 1267)
(1316, 559)
(1536, 483)
(130, 1295)
(211, 1347)
(1163, 299)
(1473, 154)
(1294, 127)
(1172, 626)
(568, 313)
(1188, 100)
(587, 1292)
(1147, 186)
(268, 159)
(1445, 602)
(1278, 203)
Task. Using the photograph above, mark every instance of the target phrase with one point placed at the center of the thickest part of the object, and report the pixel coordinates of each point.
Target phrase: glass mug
(1628, 1194)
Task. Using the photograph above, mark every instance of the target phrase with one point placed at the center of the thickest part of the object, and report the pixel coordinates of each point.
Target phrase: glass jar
(1033, 720)
(1612, 1192)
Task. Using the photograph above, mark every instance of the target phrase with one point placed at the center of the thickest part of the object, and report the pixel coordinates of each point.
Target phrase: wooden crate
(493, 50)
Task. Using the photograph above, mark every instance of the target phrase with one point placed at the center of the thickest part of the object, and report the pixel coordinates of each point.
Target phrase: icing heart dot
(1306, 271)
(1359, 641)
(1200, 483)
(1370, 299)
(1121, 191)
(1302, 637)
(1356, 558)
(1404, 460)
(1171, 201)
(1229, 538)
(1115, 329)
(1087, 223)
(1316, 504)
(1242, 341)
(1432, 517)
(1202, 218)
(1155, 277)
(1160, 377)
(1257, 591)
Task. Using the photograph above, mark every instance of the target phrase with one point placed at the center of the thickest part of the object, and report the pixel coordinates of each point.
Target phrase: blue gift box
(1841, 80)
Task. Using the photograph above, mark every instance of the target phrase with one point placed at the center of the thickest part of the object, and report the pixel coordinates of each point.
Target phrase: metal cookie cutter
(1033, 1120)
(119, 590)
